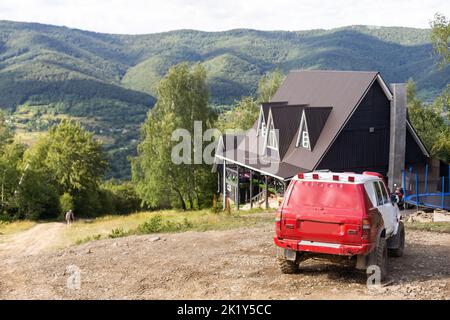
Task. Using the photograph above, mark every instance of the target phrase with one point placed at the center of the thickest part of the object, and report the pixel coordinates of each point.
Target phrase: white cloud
(143, 16)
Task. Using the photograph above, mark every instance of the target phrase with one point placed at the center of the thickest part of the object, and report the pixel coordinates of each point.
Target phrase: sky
(149, 16)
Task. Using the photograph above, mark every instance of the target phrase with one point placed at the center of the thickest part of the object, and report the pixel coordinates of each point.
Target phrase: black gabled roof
(340, 89)
(329, 99)
(267, 105)
(286, 119)
(315, 120)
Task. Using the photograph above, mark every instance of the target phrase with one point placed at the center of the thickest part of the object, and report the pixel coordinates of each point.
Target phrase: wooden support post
(251, 189)
(238, 191)
(224, 186)
(267, 192)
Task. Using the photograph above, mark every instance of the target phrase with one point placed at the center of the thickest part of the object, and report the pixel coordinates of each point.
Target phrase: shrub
(120, 198)
(117, 233)
(152, 226)
(37, 198)
(66, 203)
(88, 239)
(156, 224)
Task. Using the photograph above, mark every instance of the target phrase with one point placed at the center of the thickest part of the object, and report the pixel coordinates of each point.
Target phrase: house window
(263, 128)
(303, 135)
(305, 139)
(272, 139)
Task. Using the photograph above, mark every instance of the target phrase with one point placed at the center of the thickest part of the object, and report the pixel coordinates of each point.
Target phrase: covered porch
(246, 185)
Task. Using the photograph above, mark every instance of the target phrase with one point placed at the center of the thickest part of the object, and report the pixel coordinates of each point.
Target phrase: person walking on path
(70, 217)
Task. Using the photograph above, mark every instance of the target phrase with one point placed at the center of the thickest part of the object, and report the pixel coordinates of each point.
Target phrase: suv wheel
(287, 266)
(381, 258)
(398, 252)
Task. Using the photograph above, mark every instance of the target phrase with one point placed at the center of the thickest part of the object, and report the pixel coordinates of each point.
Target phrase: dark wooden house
(317, 120)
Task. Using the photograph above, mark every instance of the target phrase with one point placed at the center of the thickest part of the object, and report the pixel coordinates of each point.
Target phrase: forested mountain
(108, 81)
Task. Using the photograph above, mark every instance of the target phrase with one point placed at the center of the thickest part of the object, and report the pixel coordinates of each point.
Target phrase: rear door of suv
(323, 212)
(381, 200)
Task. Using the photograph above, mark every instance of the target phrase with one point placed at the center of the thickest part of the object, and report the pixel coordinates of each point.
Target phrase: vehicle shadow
(420, 262)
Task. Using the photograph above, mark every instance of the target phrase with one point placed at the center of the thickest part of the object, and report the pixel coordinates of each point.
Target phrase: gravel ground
(233, 264)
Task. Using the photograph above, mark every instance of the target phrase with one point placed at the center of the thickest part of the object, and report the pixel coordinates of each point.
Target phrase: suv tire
(381, 258)
(287, 266)
(398, 252)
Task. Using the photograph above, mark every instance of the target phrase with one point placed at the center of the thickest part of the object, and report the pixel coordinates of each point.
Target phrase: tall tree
(268, 85)
(70, 160)
(429, 123)
(440, 36)
(75, 158)
(182, 100)
(5, 132)
(10, 173)
(246, 111)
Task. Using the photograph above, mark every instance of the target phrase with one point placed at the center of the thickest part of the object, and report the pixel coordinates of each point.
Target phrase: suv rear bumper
(322, 247)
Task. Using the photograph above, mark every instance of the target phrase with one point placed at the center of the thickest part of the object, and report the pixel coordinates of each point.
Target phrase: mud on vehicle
(343, 217)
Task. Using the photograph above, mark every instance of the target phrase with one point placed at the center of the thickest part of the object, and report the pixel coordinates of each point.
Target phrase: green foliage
(441, 227)
(246, 111)
(76, 159)
(268, 85)
(37, 198)
(158, 224)
(62, 171)
(5, 132)
(117, 233)
(440, 36)
(72, 161)
(88, 239)
(242, 117)
(108, 81)
(10, 176)
(429, 123)
(119, 198)
(182, 100)
(66, 202)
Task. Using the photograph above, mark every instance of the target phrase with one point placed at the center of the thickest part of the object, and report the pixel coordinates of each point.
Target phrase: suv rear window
(323, 195)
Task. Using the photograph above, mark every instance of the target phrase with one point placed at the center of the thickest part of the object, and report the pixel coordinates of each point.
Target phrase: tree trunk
(183, 204)
(191, 202)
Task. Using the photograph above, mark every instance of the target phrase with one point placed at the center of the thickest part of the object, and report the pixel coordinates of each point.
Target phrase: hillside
(108, 81)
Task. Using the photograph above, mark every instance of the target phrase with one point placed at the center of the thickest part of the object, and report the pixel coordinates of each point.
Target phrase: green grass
(442, 227)
(9, 228)
(164, 221)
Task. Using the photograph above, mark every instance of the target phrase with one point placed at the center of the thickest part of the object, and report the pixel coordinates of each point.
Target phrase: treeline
(159, 178)
(66, 167)
(62, 171)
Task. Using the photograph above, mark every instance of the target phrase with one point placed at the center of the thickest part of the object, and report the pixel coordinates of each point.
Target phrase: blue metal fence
(437, 200)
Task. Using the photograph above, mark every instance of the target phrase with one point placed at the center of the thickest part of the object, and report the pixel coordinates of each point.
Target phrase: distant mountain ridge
(109, 81)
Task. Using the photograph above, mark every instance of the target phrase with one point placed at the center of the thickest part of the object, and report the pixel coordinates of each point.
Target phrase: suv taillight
(366, 226)
(278, 216)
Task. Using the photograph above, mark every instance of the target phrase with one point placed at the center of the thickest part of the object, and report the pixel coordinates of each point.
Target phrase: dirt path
(233, 264)
(38, 239)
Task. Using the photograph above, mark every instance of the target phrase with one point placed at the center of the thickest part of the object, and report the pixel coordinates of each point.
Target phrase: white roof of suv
(327, 176)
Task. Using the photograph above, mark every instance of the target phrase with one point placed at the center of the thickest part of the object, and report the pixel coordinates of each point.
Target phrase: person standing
(70, 217)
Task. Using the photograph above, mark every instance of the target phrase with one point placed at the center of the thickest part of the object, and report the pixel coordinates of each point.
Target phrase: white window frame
(271, 133)
(303, 129)
(261, 123)
(305, 139)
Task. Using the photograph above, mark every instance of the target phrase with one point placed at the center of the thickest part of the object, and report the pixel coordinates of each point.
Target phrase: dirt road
(38, 239)
(232, 264)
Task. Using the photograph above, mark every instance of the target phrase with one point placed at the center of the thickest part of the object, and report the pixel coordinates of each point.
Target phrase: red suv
(338, 216)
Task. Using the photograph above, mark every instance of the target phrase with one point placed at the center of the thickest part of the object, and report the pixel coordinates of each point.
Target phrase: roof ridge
(336, 71)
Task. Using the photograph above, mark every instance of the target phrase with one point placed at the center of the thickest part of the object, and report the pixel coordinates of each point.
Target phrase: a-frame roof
(316, 117)
(328, 99)
(286, 119)
(341, 90)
